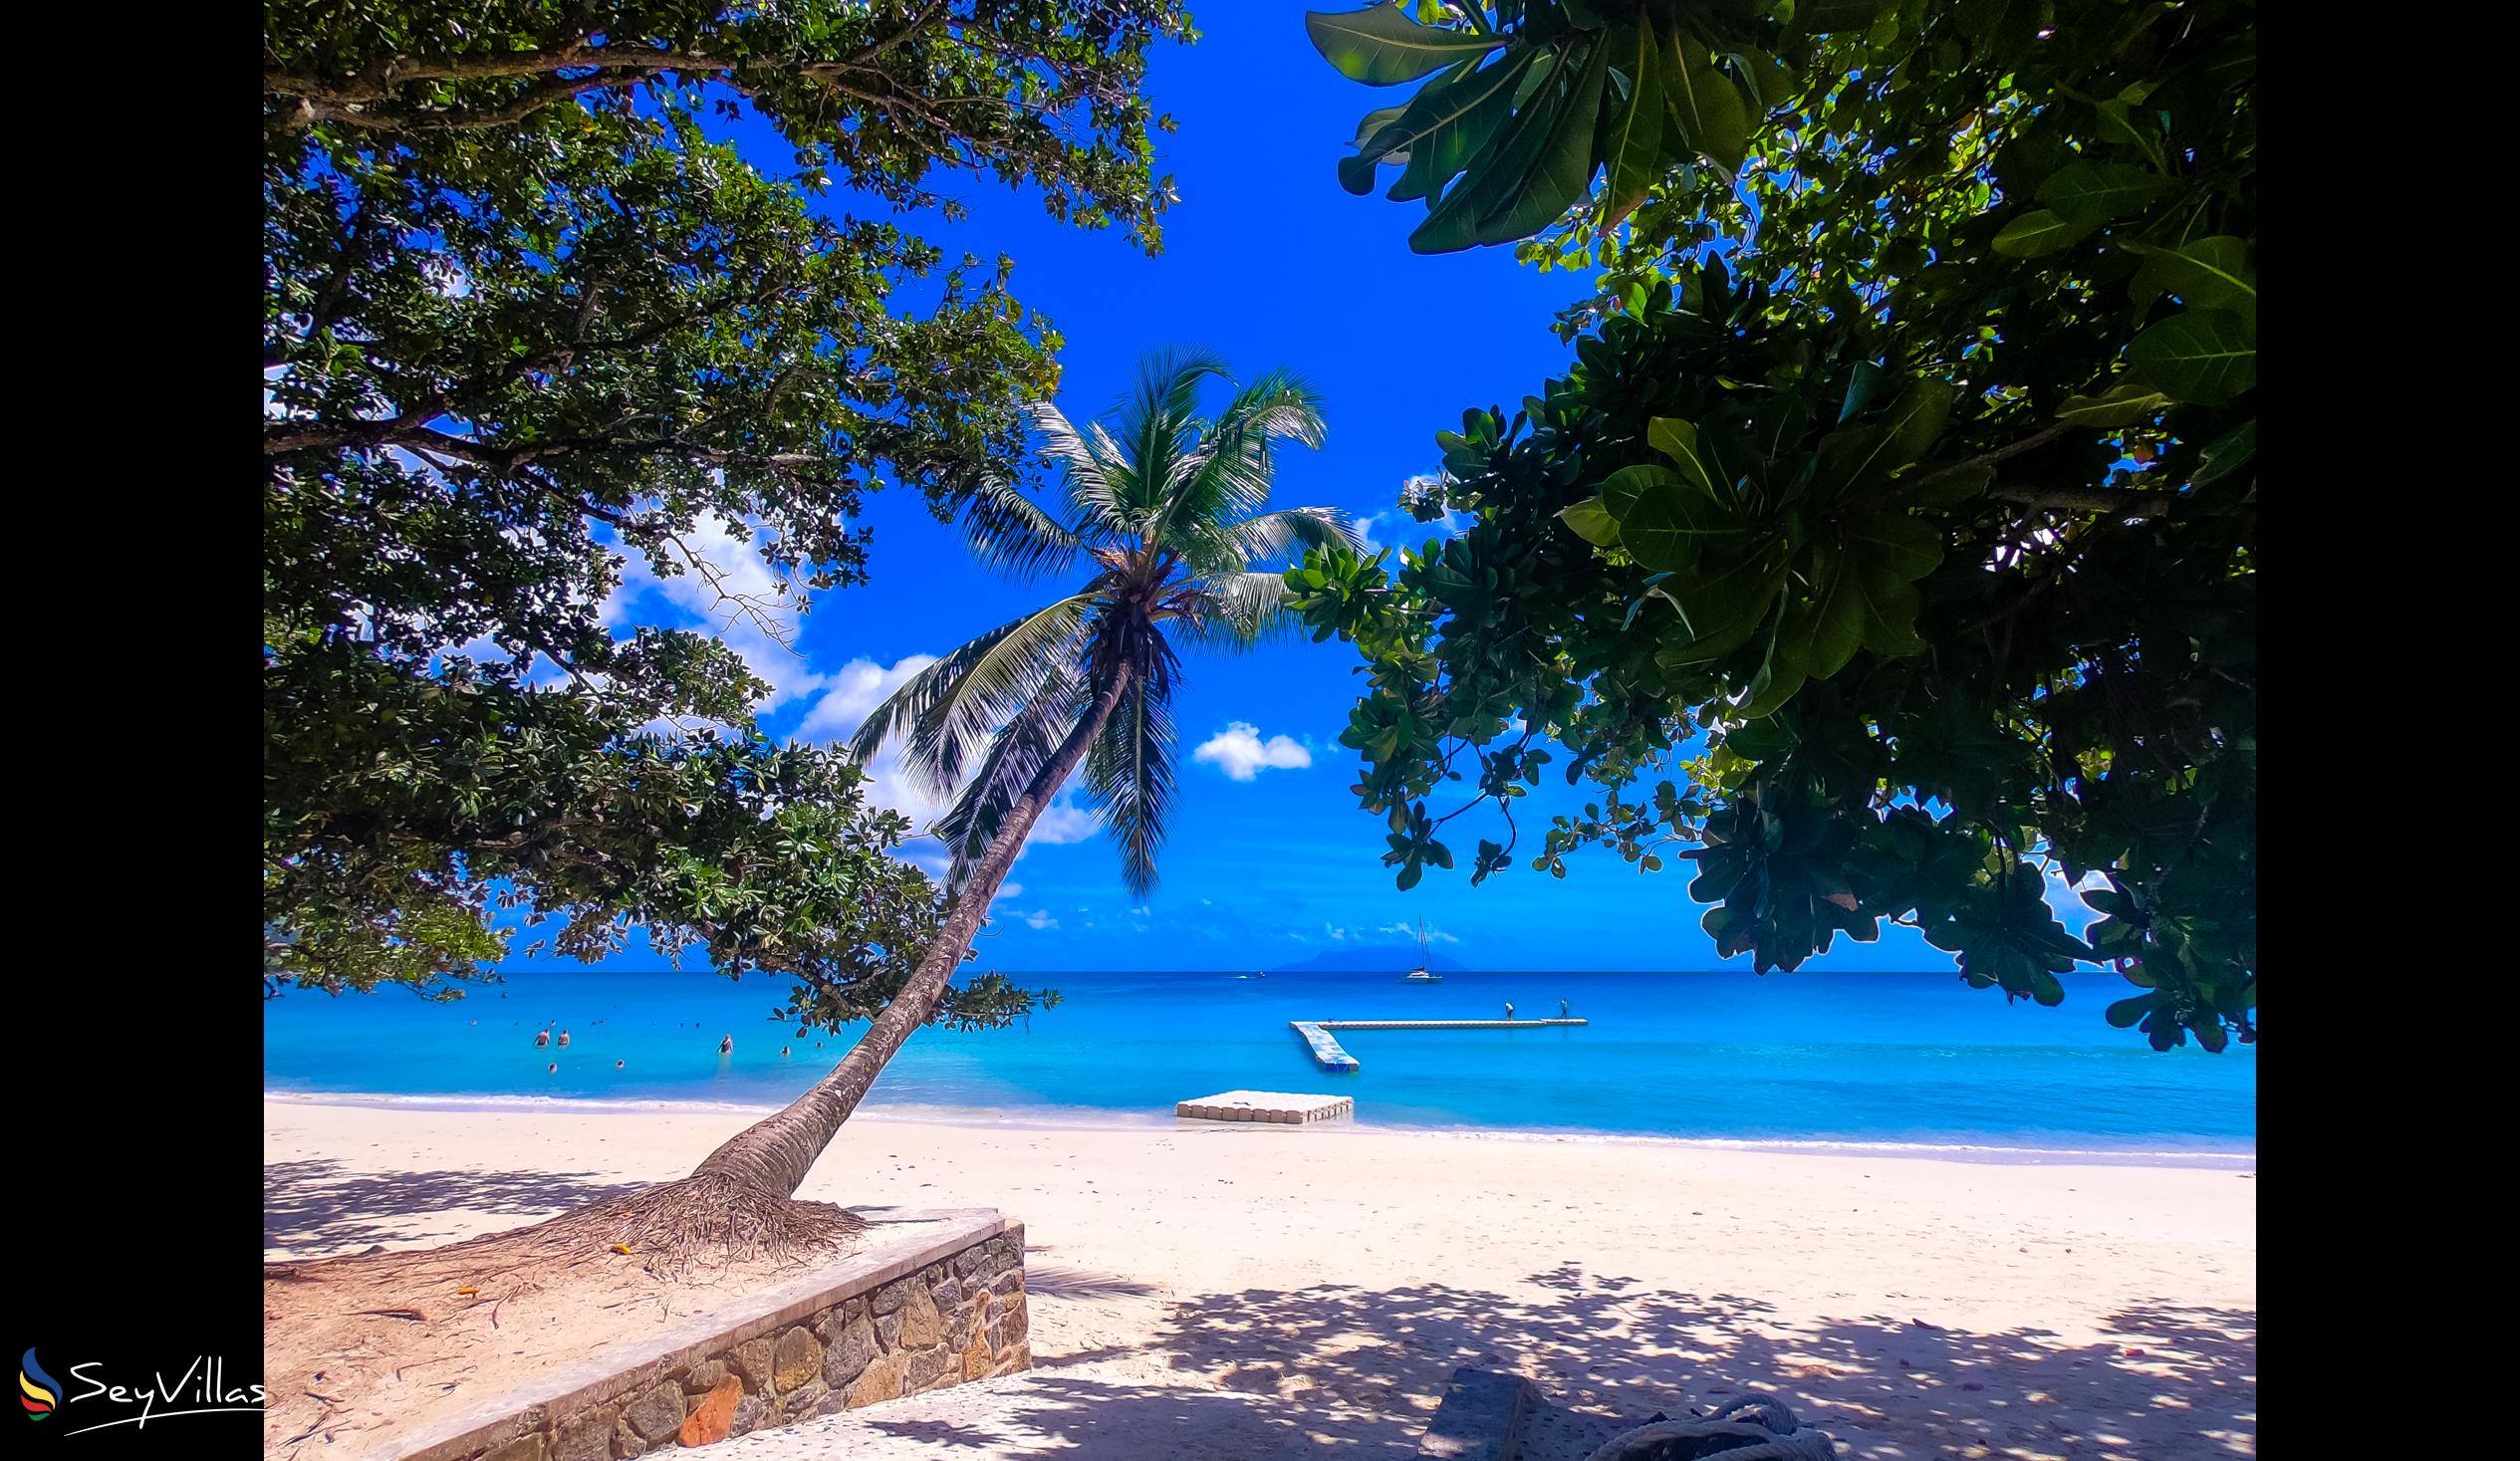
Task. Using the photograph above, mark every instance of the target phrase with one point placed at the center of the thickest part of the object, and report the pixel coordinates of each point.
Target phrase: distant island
(1397, 958)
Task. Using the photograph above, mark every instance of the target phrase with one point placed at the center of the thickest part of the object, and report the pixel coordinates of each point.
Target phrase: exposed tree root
(706, 1218)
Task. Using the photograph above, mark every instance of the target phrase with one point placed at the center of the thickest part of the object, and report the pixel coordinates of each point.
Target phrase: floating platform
(1278, 1108)
(1333, 1056)
(1326, 1049)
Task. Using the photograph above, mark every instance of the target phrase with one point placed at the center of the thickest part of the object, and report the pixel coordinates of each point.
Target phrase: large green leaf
(1914, 421)
(1632, 129)
(1450, 121)
(1591, 521)
(2119, 118)
(1561, 172)
(1621, 488)
(1382, 45)
(1455, 222)
(2199, 356)
(1826, 625)
(2122, 404)
(1673, 522)
(1767, 83)
(1678, 440)
(1781, 674)
(2087, 194)
(1903, 434)
(2040, 231)
(2226, 453)
(1725, 597)
(1885, 555)
(1705, 105)
(2207, 273)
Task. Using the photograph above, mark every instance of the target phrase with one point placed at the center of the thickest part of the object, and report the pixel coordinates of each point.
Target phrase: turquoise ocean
(1869, 1061)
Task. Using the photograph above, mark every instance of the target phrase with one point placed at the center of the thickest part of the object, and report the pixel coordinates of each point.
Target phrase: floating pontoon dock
(1327, 1050)
(1278, 1108)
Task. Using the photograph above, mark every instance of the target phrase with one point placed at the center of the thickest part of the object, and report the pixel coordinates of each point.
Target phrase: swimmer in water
(563, 1040)
(552, 1067)
(617, 1065)
(541, 1039)
(782, 1050)
(727, 1045)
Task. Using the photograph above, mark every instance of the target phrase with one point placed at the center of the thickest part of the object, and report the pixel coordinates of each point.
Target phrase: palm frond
(1093, 469)
(1162, 417)
(1234, 612)
(1010, 533)
(1272, 537)
(1228, 473)
(1017, 755)
(1130, 780)
(946, 710)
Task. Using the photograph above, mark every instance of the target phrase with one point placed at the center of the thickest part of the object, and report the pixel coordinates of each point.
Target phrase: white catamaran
(1422, 974)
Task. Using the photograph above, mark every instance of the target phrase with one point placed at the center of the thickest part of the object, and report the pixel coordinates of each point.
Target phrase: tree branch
(350, 99)
(2109, 502)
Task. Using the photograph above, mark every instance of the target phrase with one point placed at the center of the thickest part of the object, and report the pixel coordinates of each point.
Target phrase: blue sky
(1267, 262)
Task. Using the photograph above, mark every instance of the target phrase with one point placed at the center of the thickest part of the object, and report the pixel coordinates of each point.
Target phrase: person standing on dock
(1562, 1009)
(1509, 1009)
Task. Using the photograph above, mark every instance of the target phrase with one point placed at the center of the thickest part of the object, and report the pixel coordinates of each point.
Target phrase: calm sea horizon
(1866, 1061)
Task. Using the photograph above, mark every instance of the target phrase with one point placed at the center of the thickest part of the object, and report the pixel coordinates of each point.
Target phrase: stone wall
(952, 1317)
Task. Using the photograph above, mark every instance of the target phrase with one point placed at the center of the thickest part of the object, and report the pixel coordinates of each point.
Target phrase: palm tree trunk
(774, 1153)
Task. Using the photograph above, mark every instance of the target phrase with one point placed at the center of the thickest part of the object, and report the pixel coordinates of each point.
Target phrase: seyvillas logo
(202, 1388)
(38, 1392)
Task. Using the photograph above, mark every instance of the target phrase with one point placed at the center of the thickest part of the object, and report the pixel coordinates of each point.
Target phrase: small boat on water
(1422, 974)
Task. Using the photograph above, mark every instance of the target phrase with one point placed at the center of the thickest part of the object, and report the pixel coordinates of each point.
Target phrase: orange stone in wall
(710, 1422)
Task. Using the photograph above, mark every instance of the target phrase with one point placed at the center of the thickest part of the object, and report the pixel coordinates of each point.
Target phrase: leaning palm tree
(1169, 514)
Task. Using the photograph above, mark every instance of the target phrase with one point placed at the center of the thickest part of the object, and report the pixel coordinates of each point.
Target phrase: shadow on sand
(1358, 1372)
(317, 1209)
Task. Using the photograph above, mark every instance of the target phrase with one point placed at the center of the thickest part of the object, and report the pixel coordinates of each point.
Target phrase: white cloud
(1336, 932)
(730, 592)
(1062, 823)
(856, 689)
(1239, 751)
(850, 694)
(1433, 935)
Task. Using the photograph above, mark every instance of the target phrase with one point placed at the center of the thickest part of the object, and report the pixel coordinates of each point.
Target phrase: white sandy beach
(1250, 1291)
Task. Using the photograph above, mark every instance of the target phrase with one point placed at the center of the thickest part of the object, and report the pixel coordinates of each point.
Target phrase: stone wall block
(752, 1361)
(796, 1359)
(849, 1350)
(584, 1436)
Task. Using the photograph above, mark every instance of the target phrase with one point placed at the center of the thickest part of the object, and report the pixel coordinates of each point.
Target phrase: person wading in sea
(727, 1045)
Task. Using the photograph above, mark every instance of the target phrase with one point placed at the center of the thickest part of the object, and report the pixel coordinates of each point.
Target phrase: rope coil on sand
(1753, 1428)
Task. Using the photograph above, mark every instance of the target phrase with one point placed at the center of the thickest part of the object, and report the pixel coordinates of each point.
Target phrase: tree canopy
(1171, 509)
(1905, 474)
(530, 312)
